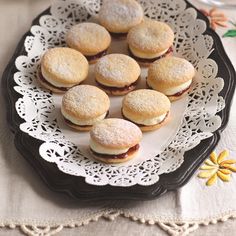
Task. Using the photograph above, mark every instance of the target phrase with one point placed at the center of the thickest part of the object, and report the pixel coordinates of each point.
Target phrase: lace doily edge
(172, 227)
(48, 10)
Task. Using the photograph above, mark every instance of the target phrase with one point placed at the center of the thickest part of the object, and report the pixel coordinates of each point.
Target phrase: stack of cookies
(86, 107)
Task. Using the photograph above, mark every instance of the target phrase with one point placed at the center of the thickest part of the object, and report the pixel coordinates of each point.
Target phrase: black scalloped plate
(76, 186)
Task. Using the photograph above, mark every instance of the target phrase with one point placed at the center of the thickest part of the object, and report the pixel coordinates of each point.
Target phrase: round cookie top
(119, 16)
(88, 38)
(116, 133)
(85, 102)
(64, 65)
(151, 36)
(170, 71)
(146, 103)
(117, 70)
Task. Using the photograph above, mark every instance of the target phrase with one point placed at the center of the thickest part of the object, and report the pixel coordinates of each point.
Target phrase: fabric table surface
(27, 203)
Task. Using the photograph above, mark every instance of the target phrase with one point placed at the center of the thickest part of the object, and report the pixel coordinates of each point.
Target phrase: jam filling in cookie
(84, 126)
(140, 125)
(118, 156)
(40, 75)
(174, 95)
(121, 89)
(97, 56)
(149, 60)
(181, 92)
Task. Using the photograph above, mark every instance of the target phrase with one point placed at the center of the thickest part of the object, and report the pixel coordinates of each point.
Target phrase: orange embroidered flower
(216, 167)
(216, 17)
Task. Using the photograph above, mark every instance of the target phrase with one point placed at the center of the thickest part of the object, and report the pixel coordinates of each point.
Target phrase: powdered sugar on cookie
(147, 102)
(120, 15)
(172, 70)
(117, 69)
(85, 101)
(116, 133)
(151, 36)
(88, 38)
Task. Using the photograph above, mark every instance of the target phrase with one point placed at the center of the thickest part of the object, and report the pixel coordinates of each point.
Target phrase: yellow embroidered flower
(217, 166)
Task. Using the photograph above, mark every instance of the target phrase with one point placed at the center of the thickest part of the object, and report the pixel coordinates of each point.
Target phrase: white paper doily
(37, 107)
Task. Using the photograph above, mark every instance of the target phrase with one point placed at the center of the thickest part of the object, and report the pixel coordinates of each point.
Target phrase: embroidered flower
(217, 166)
(216, 17)
(231, 32)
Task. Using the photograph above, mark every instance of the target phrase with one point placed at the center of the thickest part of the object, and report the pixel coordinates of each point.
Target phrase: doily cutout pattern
(37, 110)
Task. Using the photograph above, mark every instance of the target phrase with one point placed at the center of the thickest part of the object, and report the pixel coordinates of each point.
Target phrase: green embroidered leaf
(230, 33)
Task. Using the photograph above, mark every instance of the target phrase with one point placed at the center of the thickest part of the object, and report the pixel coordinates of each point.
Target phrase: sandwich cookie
(62, 68)
(172, 76)
(149, 41)
(114, 140)
(83, 106)
(146, 108)
(91, 39)
(117, 74)
(119, 16)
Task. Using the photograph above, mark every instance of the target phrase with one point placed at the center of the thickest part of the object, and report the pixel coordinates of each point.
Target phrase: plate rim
(61, 182)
